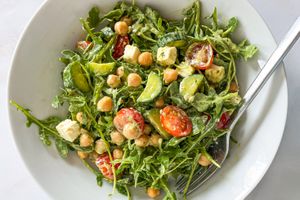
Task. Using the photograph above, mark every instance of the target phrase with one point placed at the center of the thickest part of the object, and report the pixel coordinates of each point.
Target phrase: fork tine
(183, 179)
(181, 183)
(201, 180)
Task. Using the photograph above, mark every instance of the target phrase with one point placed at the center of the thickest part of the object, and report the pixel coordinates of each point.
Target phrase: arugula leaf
(93, 18)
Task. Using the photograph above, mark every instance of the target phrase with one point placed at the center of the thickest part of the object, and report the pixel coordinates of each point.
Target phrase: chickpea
(132, 131)
(93, 156)
(118, 153)
(82, 155)
(134, 80)
(105, 104)
(127, 20)
(121, 28)
(117, 138)
(170, 75)
(155, 139)
(142, 141)
(113, 81)
(159, 103)
(203, 161)
(85, 140)
(79, 117)
(147, 129)
(145, 59)
(233, 87)
(100, 146)
(120, 71)
(152, 192)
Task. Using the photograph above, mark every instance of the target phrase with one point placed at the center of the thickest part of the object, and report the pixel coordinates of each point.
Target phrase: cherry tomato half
(200, 55)
(82, 45)
(119, 47)
(128, 115)
(224, 121)
(104, 165)
(175, 121)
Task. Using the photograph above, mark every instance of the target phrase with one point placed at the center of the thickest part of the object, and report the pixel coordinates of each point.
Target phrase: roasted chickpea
(93, 156)
(142, 141)
(120, 71)
(113, 81)
(82, 155)
(159, 103)
(121, 28)
(118, 153)
(152, 192)
(170, 75)
(85, 140)
(155, 139)
(127, 20)
(147, 129)
(203, 161)
(79, 117)
(100, 146)
(132, 131)
(145, 59)
(105, 104)
(117, 138)
(134, 80)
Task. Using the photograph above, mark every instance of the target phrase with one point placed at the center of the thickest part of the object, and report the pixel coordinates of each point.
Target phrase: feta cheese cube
(68, 129)
(166, 55)
(131, 54)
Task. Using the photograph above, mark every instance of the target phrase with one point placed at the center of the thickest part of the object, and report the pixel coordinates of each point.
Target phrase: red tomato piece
(119, 47)
(82, 45)
(200, 55)
(175, 121)
(104, 165)
(224, 121)
(128, 115)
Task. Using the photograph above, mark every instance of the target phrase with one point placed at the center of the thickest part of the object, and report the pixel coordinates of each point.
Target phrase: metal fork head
(218, 151)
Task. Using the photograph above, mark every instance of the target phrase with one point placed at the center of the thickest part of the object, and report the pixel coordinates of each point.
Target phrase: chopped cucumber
(185, 70)
(101, 69)
(189, 86)
(152, 89)
(73, 77)
(174, 39)
(153, 116)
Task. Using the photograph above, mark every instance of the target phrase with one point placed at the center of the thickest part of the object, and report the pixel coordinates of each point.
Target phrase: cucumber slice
(152, 89)
(189, 86)
(185, 70)
(175, 39)
(73, 77)
(101, 69)
(153, 116)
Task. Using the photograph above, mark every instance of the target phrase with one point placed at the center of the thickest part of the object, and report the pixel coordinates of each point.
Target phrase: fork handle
(283, 48)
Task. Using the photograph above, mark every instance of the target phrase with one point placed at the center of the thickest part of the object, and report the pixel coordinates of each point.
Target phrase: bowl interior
(35, 80)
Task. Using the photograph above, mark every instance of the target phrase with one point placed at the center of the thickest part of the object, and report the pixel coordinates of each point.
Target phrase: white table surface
(282, 180)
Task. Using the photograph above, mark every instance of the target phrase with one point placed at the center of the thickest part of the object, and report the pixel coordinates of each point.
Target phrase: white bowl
(35, 79)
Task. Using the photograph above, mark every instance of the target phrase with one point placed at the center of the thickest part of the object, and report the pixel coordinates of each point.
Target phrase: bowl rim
(40, 9)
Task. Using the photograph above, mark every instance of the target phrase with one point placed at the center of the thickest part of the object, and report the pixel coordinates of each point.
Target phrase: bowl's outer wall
(35, 78)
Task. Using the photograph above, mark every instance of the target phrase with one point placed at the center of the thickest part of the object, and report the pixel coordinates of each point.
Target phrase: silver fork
(221, 148)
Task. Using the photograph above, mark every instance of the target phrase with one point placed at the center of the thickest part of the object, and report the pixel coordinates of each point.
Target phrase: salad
(147, 97)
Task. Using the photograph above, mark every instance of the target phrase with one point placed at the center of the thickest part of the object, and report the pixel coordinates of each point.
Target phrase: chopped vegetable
(152, 89)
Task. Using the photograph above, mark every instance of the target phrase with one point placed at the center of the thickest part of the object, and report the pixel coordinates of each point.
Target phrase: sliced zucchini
(189, 86)
(152, 89)
(174, 39)
(73, 77)
(101, 69)
(153, 116)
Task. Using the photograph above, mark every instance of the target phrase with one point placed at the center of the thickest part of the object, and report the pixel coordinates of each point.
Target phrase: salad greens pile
(208, 94)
